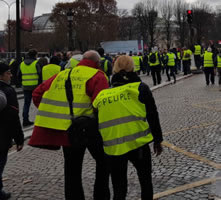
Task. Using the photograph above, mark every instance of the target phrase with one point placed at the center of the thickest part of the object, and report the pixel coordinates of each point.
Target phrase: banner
(27, 14)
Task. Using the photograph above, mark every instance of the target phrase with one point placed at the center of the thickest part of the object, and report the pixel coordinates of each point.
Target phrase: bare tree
(146, 14)
(126, 26)
(166, 8)
(180, 8)
(140, 14)
(203, 20)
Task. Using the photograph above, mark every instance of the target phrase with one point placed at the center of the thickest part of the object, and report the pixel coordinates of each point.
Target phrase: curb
(170, 82)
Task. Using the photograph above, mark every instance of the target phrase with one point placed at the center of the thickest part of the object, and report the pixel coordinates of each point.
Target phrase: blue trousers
(27, 103)
(3, 160)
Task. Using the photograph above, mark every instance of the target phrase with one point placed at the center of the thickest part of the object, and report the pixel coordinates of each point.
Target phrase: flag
(27, 14)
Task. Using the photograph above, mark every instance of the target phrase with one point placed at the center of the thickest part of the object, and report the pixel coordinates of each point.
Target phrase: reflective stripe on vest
(29, 74)
(122, 119)
(208, 59)
(197, 50)
(171, 59)
(73, 63)
(136, 60)
(157, 60)
(53, 111)
(50, 70)
(219, 61)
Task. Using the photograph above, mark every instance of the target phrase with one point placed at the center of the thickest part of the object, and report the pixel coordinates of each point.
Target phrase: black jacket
(145, 97)
(10, 125)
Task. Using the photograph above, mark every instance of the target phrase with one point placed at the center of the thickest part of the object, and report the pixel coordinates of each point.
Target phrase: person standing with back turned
(53, 121)
(131, 124)
(30, 73)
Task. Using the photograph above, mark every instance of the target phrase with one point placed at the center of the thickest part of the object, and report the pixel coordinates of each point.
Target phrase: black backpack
(153, 58)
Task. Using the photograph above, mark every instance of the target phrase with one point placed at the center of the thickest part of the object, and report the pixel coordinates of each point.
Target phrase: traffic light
(189, 16)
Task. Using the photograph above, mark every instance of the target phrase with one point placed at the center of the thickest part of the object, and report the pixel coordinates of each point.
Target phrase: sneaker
(4, 195)
(27, 123)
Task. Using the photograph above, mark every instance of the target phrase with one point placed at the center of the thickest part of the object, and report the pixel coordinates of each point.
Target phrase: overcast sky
(45, 6)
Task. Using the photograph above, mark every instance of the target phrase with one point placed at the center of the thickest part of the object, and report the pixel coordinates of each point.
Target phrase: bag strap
(69, 93)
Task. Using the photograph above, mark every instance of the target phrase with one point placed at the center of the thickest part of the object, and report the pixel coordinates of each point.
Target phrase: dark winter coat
(10, 126)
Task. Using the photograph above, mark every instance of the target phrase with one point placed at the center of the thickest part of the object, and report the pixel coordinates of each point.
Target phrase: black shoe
(4, 195)
(27, 123)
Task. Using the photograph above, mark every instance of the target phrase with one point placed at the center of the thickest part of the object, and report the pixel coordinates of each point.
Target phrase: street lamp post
(9, 25)
(70, 20)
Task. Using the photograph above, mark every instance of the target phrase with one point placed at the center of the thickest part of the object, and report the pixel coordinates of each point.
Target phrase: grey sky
(45, 6)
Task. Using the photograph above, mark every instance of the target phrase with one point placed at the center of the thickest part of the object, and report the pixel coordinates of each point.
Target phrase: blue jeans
(27, 103)
(3, 160)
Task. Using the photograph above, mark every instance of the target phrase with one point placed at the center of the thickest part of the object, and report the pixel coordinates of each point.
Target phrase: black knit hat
(3, 68)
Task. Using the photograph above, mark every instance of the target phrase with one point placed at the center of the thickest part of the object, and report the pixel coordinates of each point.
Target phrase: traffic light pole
(190, 35)
(18, 47)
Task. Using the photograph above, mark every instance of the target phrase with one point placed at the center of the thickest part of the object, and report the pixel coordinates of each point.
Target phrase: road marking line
(191, 155)
(202, 105)
(207, 107)
(185, 187)
(193, 127)
(218, 100)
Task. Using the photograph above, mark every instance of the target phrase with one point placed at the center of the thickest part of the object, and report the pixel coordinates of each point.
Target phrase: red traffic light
(189, 12)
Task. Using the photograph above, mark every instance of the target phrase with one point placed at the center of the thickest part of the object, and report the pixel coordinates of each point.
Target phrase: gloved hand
(157, 148)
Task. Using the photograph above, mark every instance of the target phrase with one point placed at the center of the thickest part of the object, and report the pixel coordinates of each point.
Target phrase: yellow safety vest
(218, 61)
(171, 59)
(179, 55)
(73, 63)
(186, 56)
(105, 67)
(157, 60)
(136, 60)
(29, 74)
(122, 119)
(197, 50)
(50, 70)
(208, 59)
(53, 111)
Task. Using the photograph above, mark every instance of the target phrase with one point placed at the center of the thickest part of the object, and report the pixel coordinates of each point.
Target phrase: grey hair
(92, 55)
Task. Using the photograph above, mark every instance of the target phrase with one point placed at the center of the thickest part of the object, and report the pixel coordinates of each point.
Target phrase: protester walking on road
(10, 126)
(30, 74)
(53, 122)
(131, 124)
(197, 50)
(209, 62)
(171, 65)
(155, 66)
(186, 59)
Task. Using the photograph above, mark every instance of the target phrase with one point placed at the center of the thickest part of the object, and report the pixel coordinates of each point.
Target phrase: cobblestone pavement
(190, 117)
